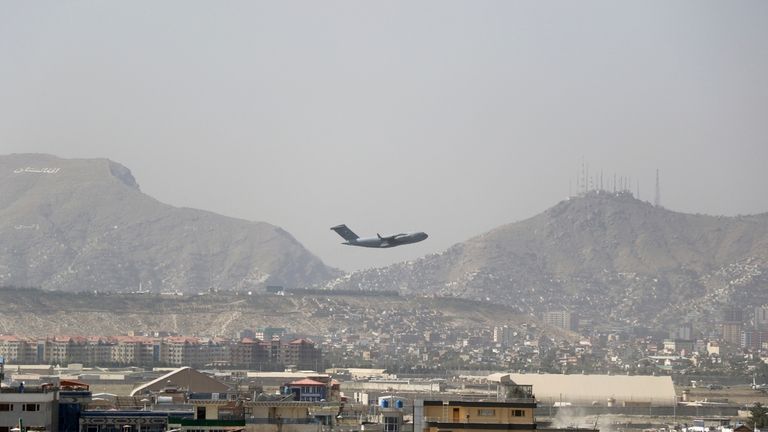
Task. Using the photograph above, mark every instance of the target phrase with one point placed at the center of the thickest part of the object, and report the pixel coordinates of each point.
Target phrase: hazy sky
(447, 117)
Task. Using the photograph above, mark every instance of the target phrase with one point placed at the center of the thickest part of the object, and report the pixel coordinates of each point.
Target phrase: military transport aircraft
(379, 241)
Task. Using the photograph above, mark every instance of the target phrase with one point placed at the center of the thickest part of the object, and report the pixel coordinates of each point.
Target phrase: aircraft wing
(388, 238)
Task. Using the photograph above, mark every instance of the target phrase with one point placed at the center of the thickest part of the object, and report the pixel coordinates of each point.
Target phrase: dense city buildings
(417, 340)
(166, 351)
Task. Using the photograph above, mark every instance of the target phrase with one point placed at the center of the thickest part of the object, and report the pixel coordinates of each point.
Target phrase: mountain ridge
(600, 251)
(73, 224)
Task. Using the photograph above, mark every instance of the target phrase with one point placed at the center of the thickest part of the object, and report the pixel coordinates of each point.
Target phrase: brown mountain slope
(604, 252)
(73, 224)
(37, 313)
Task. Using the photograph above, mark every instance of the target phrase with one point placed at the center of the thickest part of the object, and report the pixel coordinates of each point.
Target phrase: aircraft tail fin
(345, 232)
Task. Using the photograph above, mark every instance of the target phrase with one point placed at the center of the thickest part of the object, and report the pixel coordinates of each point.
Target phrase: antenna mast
(657, 198)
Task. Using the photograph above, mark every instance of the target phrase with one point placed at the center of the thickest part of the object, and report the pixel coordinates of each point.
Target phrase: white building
(35, 409)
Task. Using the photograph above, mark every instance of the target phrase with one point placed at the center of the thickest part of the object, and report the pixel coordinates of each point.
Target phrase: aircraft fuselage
(387, 242)
(379, 241)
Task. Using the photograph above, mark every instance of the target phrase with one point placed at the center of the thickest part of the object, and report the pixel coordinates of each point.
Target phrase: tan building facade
(473, 416)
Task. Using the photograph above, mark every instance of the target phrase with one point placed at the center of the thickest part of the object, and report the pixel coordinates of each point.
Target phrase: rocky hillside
(605, 256)
(38, 313)
(74, 225)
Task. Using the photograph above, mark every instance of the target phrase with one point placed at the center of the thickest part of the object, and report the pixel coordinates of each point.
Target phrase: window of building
(6, 407)
(486, 412)
(30, 407)
(5, 428)
(518, 413)
(391, 424)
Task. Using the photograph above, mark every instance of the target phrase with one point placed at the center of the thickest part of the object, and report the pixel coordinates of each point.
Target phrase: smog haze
(446, 117)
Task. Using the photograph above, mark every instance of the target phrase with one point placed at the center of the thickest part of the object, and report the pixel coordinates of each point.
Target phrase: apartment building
(302, 353)
(171, 351)
(182, 351)
(135, 350)
(249, 353)
(561, 319)
(503, 335)
(15, 349)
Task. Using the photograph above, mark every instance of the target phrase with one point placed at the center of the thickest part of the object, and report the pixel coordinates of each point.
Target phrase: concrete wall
(46, 416)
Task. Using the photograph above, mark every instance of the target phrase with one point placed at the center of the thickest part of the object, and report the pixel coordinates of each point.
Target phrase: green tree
(758, 416)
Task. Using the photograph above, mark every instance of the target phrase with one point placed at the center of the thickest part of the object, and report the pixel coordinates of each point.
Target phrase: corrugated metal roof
(186, 377)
